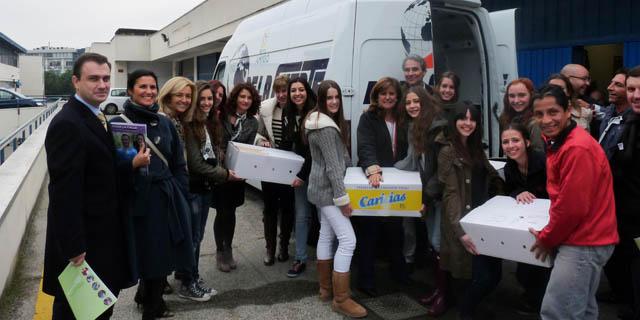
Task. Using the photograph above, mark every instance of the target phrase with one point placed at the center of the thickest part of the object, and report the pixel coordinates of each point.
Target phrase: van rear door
(504, 29)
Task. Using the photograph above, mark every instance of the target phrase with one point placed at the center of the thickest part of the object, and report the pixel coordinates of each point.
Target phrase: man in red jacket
(582, 220)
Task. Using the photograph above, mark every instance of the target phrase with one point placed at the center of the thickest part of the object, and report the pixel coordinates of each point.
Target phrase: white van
(356, 42)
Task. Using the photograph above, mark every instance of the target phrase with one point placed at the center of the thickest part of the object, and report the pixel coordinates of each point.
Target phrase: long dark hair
(337, 117)
(508, 113)
(196, 120)
(215, 84)
(520, 127)
(291, 110)
(472, 152)
(382, 85)
(429, 110)
(456, 83)
(230, 106)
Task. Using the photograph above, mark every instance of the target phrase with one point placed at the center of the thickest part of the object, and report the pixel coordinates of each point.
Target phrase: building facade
(57, 59)
(10, 52)
(189, 46)
(602, 35)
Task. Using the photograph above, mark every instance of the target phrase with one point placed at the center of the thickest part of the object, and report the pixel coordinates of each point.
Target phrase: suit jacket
(85, 209)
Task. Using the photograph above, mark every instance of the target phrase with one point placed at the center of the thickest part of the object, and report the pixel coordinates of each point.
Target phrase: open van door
(380, 46)
(504, 29)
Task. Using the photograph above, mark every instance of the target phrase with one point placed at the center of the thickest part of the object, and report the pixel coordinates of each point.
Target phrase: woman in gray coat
(328, 135)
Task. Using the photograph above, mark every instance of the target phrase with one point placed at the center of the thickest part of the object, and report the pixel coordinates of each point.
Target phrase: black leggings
(224, 226)
(153, 304)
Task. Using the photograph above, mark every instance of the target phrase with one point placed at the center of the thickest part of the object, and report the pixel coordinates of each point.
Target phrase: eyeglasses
(585, 78)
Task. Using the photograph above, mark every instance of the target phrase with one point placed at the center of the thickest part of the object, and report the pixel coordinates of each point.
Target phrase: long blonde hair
(173, 86)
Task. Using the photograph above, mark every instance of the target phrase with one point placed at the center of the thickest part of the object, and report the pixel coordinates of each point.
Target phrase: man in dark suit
(86, 217)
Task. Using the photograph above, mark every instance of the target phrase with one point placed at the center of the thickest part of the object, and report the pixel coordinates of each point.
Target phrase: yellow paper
(385, 199)
(637, 242)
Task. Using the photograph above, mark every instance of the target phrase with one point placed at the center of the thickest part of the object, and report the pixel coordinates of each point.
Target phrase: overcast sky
(78, 23)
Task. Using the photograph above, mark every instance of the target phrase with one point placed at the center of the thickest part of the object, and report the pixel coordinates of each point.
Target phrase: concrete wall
(7, 73)
(203, 26)
(22, 176)
(31, 75)
(12, 118)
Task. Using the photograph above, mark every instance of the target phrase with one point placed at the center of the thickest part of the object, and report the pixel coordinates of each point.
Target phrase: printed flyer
(129, 138)
(88, 296)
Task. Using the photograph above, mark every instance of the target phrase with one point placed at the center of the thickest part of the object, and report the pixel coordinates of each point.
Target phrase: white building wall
(7, 74)
(203, 30)
(31, 75)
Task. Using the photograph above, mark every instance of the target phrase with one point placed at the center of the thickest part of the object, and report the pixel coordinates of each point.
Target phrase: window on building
(8, 56)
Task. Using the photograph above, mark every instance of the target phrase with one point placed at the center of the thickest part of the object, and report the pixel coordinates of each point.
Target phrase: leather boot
(229, 259)
(342, 302)
(325, 268)
(439, 304)
(221, 262)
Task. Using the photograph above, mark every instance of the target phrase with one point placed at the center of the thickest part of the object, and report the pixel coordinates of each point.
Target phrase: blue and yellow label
(385, 199)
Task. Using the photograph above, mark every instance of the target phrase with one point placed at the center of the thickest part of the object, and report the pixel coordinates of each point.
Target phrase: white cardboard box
(500, 228)
(264, 164)
(399, 194)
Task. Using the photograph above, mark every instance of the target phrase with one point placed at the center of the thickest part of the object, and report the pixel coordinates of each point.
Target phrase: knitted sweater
(329, 160)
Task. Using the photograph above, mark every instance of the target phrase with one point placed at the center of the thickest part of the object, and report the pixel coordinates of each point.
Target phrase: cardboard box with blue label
(399, 194)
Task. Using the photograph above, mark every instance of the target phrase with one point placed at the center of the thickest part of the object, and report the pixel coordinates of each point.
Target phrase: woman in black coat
(239, 124)
(525, 180)
(158, 197)
(382, 140)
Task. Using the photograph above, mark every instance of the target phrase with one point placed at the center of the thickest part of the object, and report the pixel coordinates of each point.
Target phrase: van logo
(311, 70)
(242, 67)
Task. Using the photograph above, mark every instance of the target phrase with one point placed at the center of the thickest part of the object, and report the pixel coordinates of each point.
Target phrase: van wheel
(110, 109)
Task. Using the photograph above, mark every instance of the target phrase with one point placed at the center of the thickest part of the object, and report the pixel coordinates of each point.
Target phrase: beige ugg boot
(325, 267)
(342, 302)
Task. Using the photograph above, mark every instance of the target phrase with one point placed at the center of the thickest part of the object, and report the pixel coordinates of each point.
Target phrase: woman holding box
(525, 180)
(328, 135)
(238, 125)
(300, 100)
(427, 123)
(382, 140)
(203, 139)
(469, 180)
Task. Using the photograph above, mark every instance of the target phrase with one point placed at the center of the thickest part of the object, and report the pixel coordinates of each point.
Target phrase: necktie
(103, 120)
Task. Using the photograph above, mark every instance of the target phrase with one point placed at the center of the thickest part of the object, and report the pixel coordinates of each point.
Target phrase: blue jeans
(303, 220)
(433, 225)
(199, 212)
(571, 292)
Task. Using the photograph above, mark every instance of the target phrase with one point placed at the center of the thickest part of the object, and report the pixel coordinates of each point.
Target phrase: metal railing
(9, 144)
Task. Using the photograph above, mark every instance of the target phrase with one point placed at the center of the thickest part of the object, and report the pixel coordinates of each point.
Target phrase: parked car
(115, 102)
(12, 99)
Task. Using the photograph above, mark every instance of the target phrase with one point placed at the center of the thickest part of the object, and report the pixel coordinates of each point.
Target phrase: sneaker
(297, 269)
(203, 287)
(192, 292)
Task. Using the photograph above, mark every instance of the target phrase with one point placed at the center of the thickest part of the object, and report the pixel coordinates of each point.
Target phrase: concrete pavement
(253, 291)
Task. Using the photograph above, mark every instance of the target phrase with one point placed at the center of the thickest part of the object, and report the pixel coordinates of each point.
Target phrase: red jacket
(580, 187)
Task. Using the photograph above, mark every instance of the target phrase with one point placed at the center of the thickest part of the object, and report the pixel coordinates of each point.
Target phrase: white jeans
(335, 225)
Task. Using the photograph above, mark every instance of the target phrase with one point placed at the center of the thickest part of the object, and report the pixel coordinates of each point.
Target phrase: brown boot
(325, 267)
(342, 302)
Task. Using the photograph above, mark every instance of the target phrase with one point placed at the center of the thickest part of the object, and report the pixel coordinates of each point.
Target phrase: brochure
(128, 138)
(87, 295)
(637, 242)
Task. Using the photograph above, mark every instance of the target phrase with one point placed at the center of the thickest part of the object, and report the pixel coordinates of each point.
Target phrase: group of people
(155, 218)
